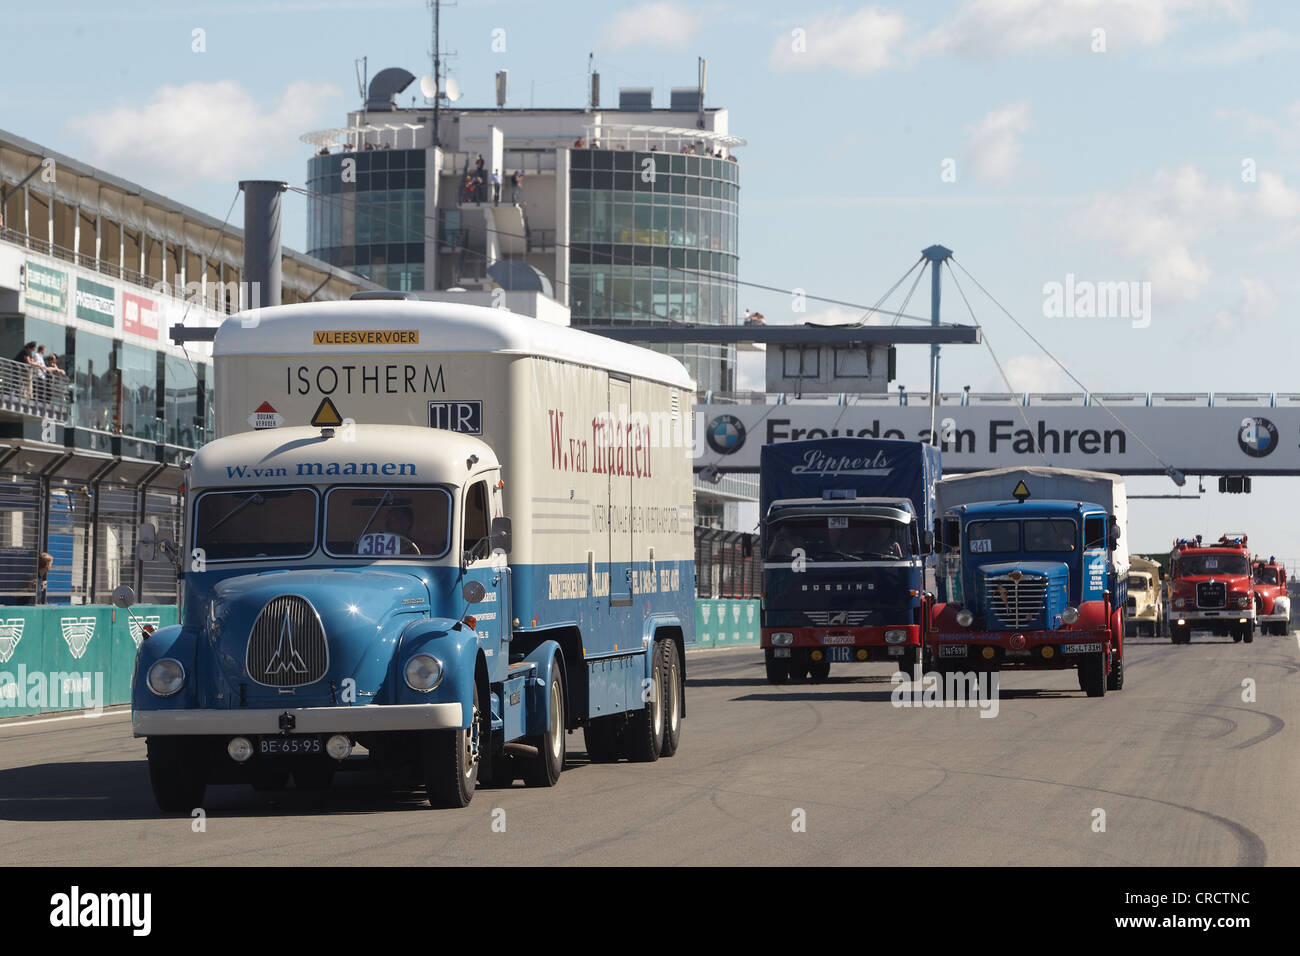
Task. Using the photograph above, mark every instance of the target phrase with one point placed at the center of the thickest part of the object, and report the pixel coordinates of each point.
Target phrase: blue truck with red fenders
(847, 530)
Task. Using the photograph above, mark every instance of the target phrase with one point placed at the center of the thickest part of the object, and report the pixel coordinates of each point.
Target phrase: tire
(544, 770)
(1115, 679)
(907, 663)
(1248, 633)
(644, 736)
(317, 775)
(175, 774)
(798, 666)
(1093, 675)
(1236, 635)
(449, 762)
(674, 695)
(819, 670)
(778, 668)
(604, 737)
(1158, 628)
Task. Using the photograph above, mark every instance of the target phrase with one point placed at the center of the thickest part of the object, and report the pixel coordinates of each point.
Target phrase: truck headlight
(423, 673)
(1070, 615)
(965, 617)
(165, 677)
(782, 639)
(895, 636)
(1179, 602)
(1243, 600)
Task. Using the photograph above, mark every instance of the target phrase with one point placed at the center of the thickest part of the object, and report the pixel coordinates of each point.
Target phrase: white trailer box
(1062, 484)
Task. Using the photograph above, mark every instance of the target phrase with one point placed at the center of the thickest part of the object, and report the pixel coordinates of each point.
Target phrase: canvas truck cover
(1066, 484)
(851, 467)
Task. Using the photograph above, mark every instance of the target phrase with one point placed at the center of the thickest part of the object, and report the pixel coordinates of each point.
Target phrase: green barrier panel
(70, 657)
(726, 622)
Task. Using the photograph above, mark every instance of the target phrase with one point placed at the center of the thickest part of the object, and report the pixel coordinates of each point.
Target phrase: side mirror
(473, 592)
(500, 534)
(927, 541)
(146, 542)
(123, 596)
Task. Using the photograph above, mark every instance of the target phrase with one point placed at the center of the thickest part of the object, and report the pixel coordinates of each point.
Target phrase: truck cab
(1145, 606)
(1212, 588)
(1029, 584)
(843, 580)
(342, 595)
(1272, 603)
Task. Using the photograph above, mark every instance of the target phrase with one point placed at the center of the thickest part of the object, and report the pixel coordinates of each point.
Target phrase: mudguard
(538, 709)
(174, 641)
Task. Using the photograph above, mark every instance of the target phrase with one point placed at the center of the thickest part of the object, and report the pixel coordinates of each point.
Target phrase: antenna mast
(437, 69)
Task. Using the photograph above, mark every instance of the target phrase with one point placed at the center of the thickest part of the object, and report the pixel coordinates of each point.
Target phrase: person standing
(39, 584)
(496, 187)
(516, 181)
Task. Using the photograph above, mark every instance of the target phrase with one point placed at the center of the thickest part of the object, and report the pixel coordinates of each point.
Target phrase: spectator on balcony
(52, 364)
(37, 585)
(516, 182)
(579, 143)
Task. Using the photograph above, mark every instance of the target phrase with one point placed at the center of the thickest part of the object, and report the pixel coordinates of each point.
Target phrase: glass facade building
(653, 237)
(368, 218)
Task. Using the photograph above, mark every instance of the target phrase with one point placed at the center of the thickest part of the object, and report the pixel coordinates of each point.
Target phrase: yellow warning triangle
(326, 415)
(1020, 494)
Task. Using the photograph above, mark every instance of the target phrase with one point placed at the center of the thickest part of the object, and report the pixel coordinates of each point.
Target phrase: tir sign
(1021, 492)
(326, 415)
(465, 417)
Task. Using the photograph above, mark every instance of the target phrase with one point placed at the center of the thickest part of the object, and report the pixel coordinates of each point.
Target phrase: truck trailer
(847, 527)
(431, 537)
(1032, 574)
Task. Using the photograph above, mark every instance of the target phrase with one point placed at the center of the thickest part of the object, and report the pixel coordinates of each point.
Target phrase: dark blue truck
(847, 527)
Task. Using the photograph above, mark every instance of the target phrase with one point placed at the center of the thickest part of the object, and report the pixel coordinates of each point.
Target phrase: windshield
(387, 522)
(993, 537)
(1266, 575)
(837, 538)
(271, 523)
(1137, 582)
(1050, 534)
(1212, 564)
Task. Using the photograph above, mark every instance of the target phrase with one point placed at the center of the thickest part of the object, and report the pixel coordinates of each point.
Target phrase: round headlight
(1179, 602)
(965, 617)
(423, 673)
(1070, 615)
(782, 639)
(895, 636)
(166, 677)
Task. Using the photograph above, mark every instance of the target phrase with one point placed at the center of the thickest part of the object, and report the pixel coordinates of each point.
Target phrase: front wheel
(449, 761)
(778, 668)
(544, 769)
(1248, 633)
(819, 670)
(175, 774)
(1093, 675)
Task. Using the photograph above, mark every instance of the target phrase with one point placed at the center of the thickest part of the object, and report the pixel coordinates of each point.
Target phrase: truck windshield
(1050, 534)
(1137, 582)
(269, 523)
(387, 522)
(993, 537)
(837, 538)
(1266, 576)
(1212, 564)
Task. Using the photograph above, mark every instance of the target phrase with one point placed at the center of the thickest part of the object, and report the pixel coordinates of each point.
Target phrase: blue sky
(1122, 164)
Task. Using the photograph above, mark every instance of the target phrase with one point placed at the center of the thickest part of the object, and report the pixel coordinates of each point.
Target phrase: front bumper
(1033, 649)
(868, 639)
(306, 720)
(1196, 617)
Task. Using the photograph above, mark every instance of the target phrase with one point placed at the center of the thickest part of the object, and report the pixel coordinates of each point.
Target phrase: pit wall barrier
(70, 657)
(726, 622)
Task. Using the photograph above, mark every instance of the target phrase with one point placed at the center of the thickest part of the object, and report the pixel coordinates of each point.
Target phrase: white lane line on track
(5, 725)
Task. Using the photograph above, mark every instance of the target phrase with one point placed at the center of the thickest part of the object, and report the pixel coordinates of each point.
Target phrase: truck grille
(1016, 604)
(287, 647)
(1211, 594)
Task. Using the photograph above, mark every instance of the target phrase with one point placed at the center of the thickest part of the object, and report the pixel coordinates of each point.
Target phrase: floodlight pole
(936, 255)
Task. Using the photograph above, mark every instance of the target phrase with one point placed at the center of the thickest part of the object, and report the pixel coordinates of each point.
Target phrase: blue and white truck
(451, 535)
(847, 527)
(1032, 574)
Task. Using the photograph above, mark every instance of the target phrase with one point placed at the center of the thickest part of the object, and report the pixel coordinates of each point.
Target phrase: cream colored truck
(1145, 612)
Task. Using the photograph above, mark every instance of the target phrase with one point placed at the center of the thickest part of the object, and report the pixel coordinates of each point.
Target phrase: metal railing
(35, 392)
(902, 397)
(727, 564)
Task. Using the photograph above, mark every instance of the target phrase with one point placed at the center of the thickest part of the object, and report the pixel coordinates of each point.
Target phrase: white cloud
(989, 28)
(651, 24)
(993, 149)
(204, 131)
(1257, 299)
(1160, 223)
(1029, 373)
(861, 42)
(1249, 46)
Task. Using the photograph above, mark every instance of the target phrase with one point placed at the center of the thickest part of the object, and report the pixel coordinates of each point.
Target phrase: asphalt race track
(1185, 771)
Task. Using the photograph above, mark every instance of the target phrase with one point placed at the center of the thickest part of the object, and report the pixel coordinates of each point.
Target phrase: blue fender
(538, 710)
(652, 624)
(175, 641)
(456, 647)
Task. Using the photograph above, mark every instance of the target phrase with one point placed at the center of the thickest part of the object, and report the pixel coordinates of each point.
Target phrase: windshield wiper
(255, 498)
(386, 499)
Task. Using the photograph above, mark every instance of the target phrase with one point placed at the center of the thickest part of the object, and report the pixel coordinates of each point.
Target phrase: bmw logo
(1257, 437)
(725, 434)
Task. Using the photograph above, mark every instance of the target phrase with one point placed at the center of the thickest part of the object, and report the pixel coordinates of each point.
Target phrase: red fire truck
(1272, 605)
(1211, 589)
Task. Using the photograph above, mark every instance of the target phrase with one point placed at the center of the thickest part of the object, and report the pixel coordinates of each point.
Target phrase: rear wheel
(449, 761)
(645, 727)
(674, 692)
(1115, 680)
(544, 769)
(175, 774)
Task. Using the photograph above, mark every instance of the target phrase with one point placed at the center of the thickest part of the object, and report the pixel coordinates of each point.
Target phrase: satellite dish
(428, 87)
(453, 89)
